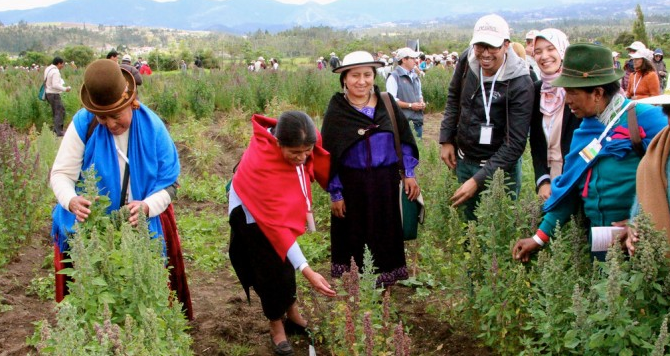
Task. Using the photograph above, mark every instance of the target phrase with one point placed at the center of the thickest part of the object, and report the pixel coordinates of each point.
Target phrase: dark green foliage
(639, 28)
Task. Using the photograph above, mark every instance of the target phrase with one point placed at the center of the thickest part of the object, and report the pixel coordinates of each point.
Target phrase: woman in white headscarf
(552, 123)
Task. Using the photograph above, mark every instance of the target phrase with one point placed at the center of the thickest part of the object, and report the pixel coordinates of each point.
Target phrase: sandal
(283, 348)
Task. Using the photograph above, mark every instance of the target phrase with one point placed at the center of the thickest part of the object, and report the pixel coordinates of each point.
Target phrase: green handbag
(412, 213)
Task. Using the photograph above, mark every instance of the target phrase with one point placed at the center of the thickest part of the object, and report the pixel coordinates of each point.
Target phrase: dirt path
(17, 323)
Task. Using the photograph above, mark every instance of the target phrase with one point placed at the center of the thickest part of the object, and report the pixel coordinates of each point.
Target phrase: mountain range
(243, 16)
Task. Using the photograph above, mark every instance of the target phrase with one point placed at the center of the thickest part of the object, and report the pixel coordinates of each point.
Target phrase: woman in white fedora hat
(364, 174)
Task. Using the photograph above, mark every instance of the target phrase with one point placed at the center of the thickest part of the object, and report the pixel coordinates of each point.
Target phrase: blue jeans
(418, 126)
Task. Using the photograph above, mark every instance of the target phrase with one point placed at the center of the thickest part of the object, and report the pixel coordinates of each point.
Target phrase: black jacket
(510, 113)
(538, 142)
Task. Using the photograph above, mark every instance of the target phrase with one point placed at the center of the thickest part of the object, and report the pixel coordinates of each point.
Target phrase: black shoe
(291, 328)
(282, 349)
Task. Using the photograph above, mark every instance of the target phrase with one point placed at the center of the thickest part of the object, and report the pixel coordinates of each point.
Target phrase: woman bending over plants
(136, 161)
(270, 201)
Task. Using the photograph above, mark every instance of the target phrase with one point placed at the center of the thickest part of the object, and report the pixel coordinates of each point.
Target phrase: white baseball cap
(126, 57)
(492, 30)
(407, 52)
(636, 46)
(530, 35)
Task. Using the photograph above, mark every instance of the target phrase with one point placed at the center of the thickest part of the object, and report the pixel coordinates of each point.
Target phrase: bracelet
(303, 266)
(538, 240)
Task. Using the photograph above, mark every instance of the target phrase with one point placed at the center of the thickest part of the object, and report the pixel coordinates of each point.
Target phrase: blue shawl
(650, 119)
(154, 165)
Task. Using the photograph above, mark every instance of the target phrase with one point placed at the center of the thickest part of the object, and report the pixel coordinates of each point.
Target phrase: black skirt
(372, 218)
(258, 265)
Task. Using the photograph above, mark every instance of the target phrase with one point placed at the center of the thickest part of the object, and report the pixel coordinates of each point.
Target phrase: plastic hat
(587, 65)
(636, 46)
(407, 52)
(490, 29)
(357, 59)
(643, 53)
(531, 34)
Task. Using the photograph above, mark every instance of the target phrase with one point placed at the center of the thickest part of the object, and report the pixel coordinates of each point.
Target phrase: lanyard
(613, 121)
(487, 105)
(303, 184)
(636, 83)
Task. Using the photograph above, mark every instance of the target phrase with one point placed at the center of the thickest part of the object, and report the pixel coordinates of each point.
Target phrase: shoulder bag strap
(46, 76)
(634, 131)
(386, 98)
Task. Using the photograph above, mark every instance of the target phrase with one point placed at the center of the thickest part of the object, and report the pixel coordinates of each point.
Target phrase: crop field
(465, 295)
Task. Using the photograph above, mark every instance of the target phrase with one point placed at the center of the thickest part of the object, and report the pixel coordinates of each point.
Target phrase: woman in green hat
(599, 171)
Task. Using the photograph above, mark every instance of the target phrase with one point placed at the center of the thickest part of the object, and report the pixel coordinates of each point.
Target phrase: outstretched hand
(318, 282)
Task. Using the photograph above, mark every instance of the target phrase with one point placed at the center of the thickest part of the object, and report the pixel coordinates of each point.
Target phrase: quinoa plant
(22, 192)
(119, 301)
(359, 321)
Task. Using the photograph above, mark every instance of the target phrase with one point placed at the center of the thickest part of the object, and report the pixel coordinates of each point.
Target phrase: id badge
(590, 151)
(485, 135)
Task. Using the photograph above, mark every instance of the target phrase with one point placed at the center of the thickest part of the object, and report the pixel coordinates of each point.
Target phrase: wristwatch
(409, 106)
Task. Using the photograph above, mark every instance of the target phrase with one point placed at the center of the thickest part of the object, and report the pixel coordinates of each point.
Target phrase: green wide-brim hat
(587, 65)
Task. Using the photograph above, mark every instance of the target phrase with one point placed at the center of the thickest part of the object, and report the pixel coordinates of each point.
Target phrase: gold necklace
(359, 105)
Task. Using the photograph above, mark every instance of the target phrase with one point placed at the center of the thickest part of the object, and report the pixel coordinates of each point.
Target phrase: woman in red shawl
(270, 201)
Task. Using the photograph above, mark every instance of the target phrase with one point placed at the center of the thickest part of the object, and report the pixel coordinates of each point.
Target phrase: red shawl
(269, 186)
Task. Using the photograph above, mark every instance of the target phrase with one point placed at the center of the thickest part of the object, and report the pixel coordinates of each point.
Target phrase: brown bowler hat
(107, 88)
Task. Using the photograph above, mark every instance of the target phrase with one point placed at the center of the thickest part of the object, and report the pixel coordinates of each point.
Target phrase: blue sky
(29, 4)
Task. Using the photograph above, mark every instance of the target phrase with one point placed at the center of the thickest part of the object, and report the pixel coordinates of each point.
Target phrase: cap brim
(579, 82)
(494, 41)
(341, 69)
(656, 100)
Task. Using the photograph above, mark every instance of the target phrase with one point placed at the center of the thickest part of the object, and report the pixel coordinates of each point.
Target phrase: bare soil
(223, 319)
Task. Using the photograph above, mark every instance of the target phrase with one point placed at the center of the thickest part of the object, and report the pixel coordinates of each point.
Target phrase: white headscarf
(552, 98)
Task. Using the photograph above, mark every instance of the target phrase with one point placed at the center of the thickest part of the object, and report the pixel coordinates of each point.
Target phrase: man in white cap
(125, 64)
(530, 55)
(334, 62)
(488, 112)
(405, 86)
